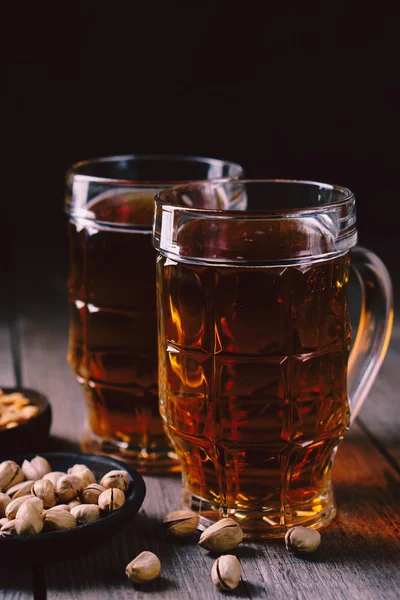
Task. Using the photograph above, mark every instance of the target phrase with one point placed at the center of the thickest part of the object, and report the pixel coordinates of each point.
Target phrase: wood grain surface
(359, 557)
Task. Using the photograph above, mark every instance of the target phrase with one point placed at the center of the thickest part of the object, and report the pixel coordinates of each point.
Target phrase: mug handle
(375, 325)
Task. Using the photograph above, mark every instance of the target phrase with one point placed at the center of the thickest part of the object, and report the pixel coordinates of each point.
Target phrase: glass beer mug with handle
(256, 389)
(112, 298)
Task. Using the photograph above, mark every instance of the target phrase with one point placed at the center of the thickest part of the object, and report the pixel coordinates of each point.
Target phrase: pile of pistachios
(222, 537)
(33, 498)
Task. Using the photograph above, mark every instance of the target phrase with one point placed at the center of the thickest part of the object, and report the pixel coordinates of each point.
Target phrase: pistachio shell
(10, 474)
(67, 488)
(116, 479)
(84, 474)
(20, 489)
(76, 469)
(8, 469)
(302, 540)
(145, 567)
(225, 572)
(14, 506)
(223, 536)
(37, 468)
(8, 529)
(44, 489)
(111, 500)
(86, 513)
(57, 507)
(58, 519)
(4, 502)
(54, 476)
(181, 523)
(91, 493)
(28, 520)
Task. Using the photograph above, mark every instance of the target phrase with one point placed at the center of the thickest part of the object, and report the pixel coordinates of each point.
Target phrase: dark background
(305, 91)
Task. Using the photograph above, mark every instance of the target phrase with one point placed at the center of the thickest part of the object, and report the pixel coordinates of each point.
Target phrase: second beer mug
(254, 340)
(112, 291)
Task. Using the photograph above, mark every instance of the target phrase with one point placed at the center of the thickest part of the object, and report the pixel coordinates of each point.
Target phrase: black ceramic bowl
(54, 546)
(34, 433)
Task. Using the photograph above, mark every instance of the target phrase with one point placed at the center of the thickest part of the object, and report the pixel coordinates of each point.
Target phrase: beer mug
(258, 374)
(112, 298)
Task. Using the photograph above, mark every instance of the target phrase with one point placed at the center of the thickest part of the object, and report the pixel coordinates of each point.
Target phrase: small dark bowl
(31, 435)
(54, 546)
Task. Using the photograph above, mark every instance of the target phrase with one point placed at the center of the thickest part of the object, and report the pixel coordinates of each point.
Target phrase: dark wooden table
(359, 557)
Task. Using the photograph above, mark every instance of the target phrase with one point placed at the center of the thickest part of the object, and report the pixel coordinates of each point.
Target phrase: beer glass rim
(82, 165)
(165, 198)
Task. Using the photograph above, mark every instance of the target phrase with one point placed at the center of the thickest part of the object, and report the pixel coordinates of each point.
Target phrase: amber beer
(113, 338)
(255, 376)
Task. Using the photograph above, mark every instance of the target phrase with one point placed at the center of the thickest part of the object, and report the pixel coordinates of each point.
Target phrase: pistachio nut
(29, 520)
(84, 474)
(36, 468)
(225, 572)
(91, 493)
(181, 523)
(86, 513)
(14, 506)
(145, 567)
(57, 507)
(116, 479)
(111, 500)
(73, 503)
(4, 502)
(302, 540)
(76, 469)
(20, 489)
(58, 519)
(54, 476)
(8, 529)
(10, 474)
(223, 536)
(44, 489)
(67, 488)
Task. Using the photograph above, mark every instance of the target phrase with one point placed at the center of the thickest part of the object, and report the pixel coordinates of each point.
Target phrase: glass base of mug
(157, 461)
(266, 524)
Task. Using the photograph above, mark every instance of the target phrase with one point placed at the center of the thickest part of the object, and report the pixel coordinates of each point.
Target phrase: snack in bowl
(66, 532)
(29, 509)
(15, 408)
(25, 421)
